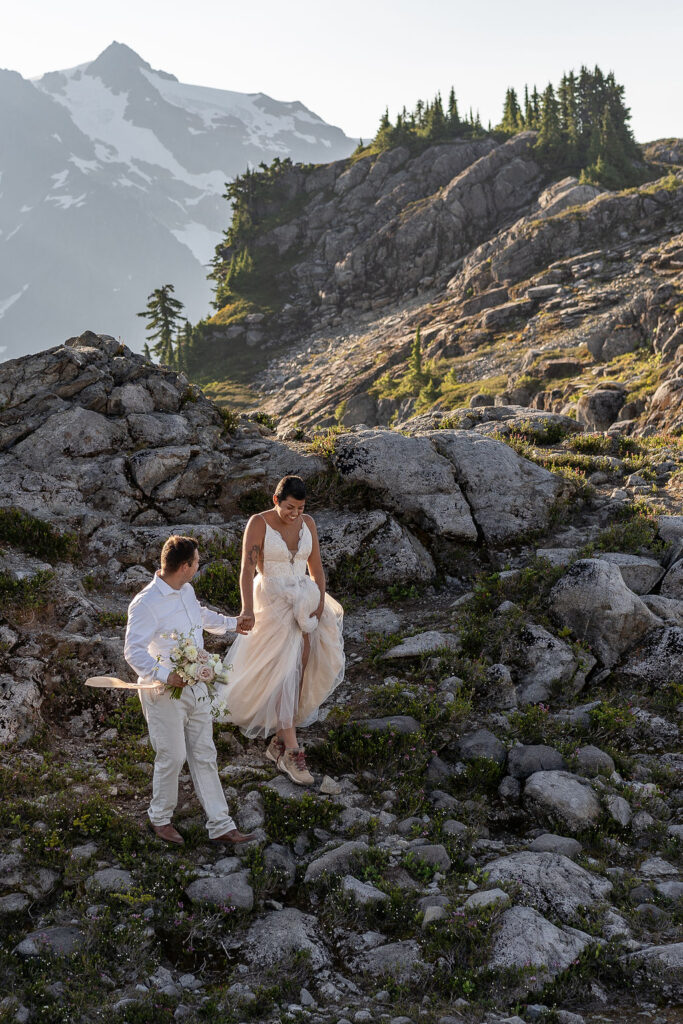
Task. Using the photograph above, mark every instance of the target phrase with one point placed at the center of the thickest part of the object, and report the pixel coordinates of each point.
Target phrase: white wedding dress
(264, 691)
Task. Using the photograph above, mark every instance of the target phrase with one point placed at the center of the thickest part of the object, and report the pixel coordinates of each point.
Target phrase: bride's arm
(315, 566)
(252, 543)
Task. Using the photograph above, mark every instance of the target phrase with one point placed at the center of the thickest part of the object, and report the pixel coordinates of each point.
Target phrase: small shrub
(324, 443)
(419, 868)
(231, 420)
(634, 530)
(252, 502)
(483, 773)
(356, 574)
(220, 584)
(398, 592)
(30, 592)
(36, 537)
(396, 759)
(287, 819)
(112, 618)
(543, 432)
(265, 419)
(613, 722)
(459, 947)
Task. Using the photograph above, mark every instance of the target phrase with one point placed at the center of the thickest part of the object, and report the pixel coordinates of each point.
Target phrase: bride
(293, 655)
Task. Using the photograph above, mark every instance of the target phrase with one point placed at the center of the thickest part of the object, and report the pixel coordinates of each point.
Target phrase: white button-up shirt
(155, 613)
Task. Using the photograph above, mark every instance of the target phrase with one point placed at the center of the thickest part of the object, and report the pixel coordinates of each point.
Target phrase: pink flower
(202, 656)
(205, 674)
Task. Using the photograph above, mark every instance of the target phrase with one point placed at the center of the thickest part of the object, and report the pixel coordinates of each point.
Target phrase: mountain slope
(500, 267)
(112, 184)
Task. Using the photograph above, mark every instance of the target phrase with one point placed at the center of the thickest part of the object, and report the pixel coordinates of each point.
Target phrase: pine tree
(416, 356)
(567, 100)
(435, 120)
(184, 347)
(429, 393)
(512, 115)
(163, 316)
(549, 143)
(453, 116)
(528, 110)
(146, 352)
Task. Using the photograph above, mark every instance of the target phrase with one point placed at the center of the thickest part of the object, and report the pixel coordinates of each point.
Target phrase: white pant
(182, 730)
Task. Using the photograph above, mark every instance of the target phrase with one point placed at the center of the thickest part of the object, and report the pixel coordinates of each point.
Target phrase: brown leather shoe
(168, 833)
(234, 837)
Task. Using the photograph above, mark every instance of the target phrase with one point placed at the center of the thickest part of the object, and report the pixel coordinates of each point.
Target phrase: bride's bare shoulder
(309, 521)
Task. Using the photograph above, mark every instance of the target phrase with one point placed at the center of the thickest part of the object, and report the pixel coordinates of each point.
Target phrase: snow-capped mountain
(111, 184)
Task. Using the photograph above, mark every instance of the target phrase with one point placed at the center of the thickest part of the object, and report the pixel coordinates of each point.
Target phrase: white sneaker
(293, 763)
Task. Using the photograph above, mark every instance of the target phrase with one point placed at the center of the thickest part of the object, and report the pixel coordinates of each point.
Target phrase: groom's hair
(177, 551)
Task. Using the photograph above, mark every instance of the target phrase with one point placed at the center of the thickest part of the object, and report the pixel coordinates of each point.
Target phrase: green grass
(395, 760)
(232, 396)
(30, 592)
(220, 584)
(286, 820)
(324, 442)
(356, 574)
(36, 537)
(634, 530)
(112, 618)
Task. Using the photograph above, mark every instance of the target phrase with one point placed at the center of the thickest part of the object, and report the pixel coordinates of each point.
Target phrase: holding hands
(245, 622)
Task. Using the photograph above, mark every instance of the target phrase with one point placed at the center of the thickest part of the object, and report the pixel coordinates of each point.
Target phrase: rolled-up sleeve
(214, 622)
(140, 631)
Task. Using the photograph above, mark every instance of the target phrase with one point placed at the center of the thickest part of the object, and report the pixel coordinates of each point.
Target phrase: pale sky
(350, 59)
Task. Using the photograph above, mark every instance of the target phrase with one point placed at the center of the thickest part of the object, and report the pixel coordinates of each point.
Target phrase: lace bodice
(278, 561)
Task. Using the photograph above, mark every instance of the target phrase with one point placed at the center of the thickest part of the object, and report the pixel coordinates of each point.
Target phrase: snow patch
(100, 114)
(6, 303)
(85, 166)
(60, 178)
(64, 202)
(200, 240)
(214, 106)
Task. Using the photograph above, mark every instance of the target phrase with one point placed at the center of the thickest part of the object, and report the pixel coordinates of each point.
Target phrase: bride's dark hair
(291, 487)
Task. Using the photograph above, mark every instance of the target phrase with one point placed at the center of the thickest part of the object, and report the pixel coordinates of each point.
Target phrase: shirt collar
(163, 587)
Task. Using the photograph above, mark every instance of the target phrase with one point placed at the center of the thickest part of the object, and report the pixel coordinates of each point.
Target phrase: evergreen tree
(184, 347)
(549, 143)
(566, 97)
(163, 316)
(528, 110)
(429, 393)
(512, 116)
(453, 116)
(416, 356)
(146, 352)
(435, 120)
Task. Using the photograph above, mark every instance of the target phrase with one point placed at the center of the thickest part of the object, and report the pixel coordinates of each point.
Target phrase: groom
(180, 729)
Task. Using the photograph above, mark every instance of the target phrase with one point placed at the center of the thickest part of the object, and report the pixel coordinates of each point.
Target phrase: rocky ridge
(496, 817)
(535, 293)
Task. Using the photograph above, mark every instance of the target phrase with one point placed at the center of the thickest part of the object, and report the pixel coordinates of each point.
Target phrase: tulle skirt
(264, 691)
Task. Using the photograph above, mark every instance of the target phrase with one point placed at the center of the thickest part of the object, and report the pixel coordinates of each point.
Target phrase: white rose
(191, 652)
(191, 671)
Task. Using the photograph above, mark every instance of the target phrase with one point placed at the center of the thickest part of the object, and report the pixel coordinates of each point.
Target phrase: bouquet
(194, 664)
